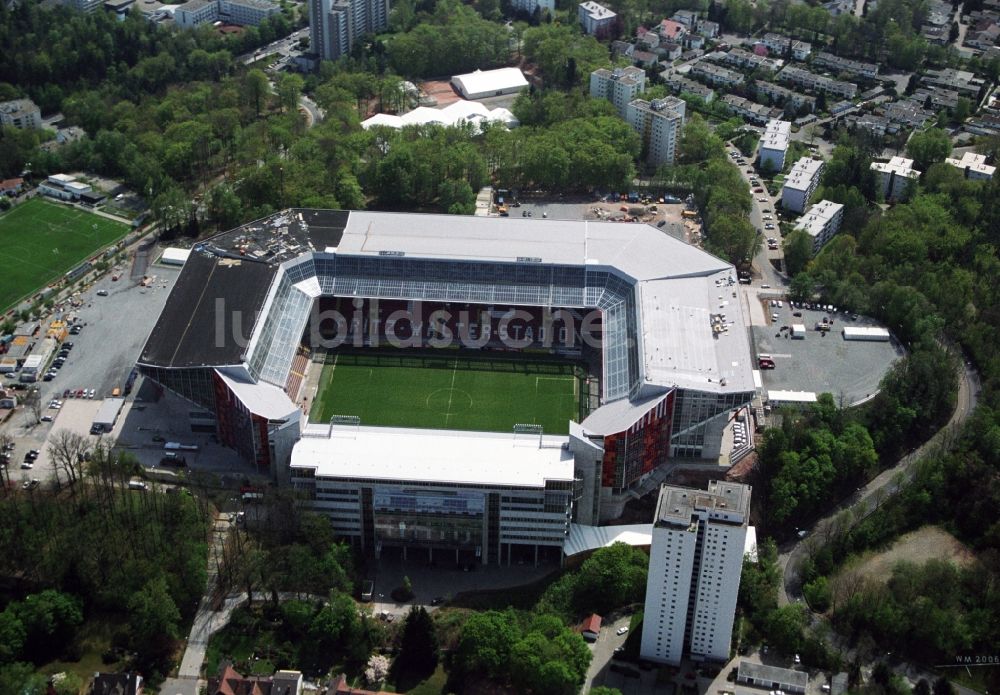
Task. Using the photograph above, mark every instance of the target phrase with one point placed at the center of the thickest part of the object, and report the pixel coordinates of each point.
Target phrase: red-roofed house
(11, 186)
(672, 31)
(591, 628)
(229, 682)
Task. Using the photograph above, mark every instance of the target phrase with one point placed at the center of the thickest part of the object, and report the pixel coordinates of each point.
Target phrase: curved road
(888, 482)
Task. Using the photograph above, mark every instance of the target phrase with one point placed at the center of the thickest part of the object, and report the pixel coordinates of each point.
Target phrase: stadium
(465, 385)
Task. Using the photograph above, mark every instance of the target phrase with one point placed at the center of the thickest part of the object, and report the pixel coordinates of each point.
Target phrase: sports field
(42, 240)
(448, 392)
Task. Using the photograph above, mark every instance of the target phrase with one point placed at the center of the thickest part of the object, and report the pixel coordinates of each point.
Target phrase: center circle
(448, 401)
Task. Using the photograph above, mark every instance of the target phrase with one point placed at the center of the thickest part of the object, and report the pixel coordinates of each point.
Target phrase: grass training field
(461, 393)
(42, 240)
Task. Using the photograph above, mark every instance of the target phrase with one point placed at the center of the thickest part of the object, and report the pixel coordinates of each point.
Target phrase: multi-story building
(695, 563)
(708, 28)
(716, 75)
(775, 43)
(596, 20)
(837, 64)
(800, 184)
(531, 6)
(821, 222)
(907, 114)
(86, 6)
(688, 18)
(749, 60)
(896, 177)
(619, 86)
(240, 12)
(961, 81)
(755, 113)
(818, 83)
(679, 84)
(334, 25)
(801, 50)
(783, 95)
(974, 166)
(20, 113)
(659, 123)
(774, 144)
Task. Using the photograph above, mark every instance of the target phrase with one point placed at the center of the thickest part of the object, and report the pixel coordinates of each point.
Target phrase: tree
(485, 644)
(153, 617)
(256, 89)
(418, 648)
(698, 142)
(289, 90)
(67, 450)
(798, 248)
(12, 636)
(783, 628)
(377, 670)
(928, 147)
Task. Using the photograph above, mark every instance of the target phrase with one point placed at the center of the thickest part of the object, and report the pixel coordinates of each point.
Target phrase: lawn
(42, 240)
(463, 393)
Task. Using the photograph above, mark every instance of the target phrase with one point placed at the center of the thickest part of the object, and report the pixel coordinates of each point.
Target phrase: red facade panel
(634, 452)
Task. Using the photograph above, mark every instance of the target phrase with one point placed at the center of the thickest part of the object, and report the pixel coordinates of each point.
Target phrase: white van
(137, 485)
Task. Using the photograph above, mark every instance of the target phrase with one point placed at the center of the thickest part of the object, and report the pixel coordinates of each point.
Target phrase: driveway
(603, 649)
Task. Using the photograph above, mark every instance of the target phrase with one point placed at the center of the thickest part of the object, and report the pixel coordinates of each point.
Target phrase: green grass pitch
(42, 240)
(459, 393)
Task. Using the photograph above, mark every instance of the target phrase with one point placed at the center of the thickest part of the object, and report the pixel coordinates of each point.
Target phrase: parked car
(102, 293)
(621, 631)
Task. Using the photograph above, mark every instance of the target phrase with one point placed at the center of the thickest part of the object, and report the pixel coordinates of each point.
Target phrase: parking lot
(115, 328)
(822, 361)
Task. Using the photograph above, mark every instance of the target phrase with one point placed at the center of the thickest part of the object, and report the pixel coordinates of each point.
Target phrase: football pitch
(42, 240)
(459, 393)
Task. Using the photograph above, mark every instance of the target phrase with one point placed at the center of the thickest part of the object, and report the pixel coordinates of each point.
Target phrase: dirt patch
(926, 543)
(440, 91)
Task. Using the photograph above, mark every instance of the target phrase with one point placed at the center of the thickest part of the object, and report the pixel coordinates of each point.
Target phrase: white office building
(895, 177)
(659, 123)
(800, 184)
(821, 222)
(973, 166)
(774, 143)
(245, 13)
(596, 20)
(695, 562)
(620, 86)
(334, 25)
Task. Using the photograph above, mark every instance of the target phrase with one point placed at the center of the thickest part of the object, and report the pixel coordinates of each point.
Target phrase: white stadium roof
(435, 456)
(583, 538)
(458, 113)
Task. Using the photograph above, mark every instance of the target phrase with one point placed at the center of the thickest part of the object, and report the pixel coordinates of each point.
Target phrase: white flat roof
(901, 166)
(583, 538)
(175, 255)
(435, 456)
(260, 398)
(490, 80)
(791, 396)
(454, 114)
(803, 173)
(818, 216)
(974, 162)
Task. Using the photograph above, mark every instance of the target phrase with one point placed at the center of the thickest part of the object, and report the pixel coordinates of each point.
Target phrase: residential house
(670, 51)
(63, 187)
(776, 43)
(961, 81)
(716, 75)
(782, 96)
(646, 39)
(837, 64)
(874, 124)
(672, 31)
(129, 683)
(752, 112)
(532, 6)
(821, 222)
(679, 84)
(622, 49)
(688, 18)
(230, 682)
(340, 686)
(801, 50)
(695, 41)
(818, 83)
(908, 114)
(842, 107)
(20, 113)
(897, 177)
(708, 28)
(596, 20)
(974, 166)
(286, 683)
(11, 187)
(936, 98)
(645, 58)
(747, 60)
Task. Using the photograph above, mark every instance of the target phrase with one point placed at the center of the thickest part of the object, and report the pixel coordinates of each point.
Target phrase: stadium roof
(583, 538)
(448, 457)
(490, 81)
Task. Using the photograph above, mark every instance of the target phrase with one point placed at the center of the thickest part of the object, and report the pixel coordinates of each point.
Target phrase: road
(762, 261)
(313, 112)
(870, 496)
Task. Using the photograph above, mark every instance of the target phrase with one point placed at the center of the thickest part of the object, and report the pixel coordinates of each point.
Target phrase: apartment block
(619, 86)
(783, 95)
(774, 143)
(751, 111)
(678, 84)
(748, 60)
(801, 182)
(837, 64)
(659, 123)
(821, 222)
(776, 43)
(895, 177)
(695, 563)
(20, 113)
(334, 25)
(818, 83)
(596, 20)
(801, 50)
(961, 81)
(974, 166)
(716, 75)
(85, 6)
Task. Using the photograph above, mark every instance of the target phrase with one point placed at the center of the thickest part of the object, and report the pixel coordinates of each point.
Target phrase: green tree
(418, 647)
(928, 147)
(256, 90)
(13, 636)
(153, 617)
(289, 90)
(798, 249)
